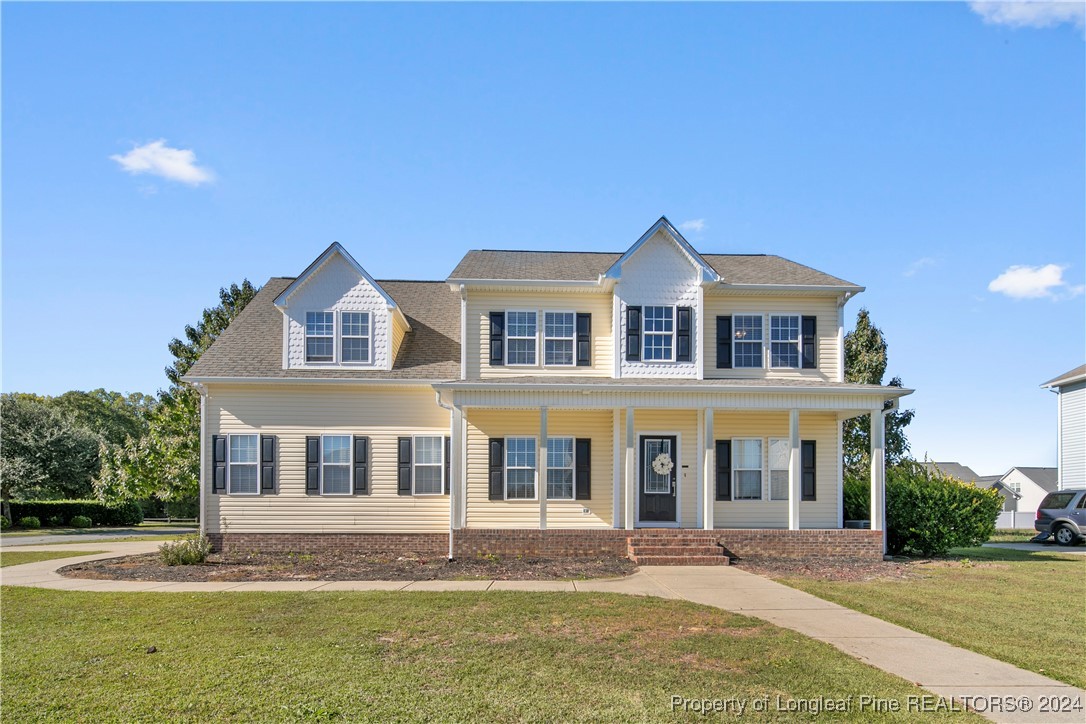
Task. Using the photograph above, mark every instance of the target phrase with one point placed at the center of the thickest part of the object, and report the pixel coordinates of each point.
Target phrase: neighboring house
(1031, 485)
(538, 402)
(1070, 389)
(954, 470)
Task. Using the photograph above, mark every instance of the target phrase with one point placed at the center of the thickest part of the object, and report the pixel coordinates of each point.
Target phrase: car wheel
(1065, 536)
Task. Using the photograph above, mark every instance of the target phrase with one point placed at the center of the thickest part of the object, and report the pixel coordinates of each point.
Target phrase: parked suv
(1063, 516)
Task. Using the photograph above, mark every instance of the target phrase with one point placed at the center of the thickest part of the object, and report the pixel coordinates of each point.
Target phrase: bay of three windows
(559, 338)
(355, 337)
(749, 348)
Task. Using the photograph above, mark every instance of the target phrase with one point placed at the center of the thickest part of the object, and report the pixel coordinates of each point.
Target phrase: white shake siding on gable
(658, 274)
(1073, 435)
(292, 413)
(336, 286)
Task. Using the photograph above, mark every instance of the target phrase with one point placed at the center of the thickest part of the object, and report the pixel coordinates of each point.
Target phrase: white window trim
(229, 464)
(340, 337)
(674, 333)
(768, 344)
(572, 466)
(572, 338)
(306, 336)
(735, 346)
(506, 468)
(771, 469)
(736, 469)
(538, 332)
(350, 464)
(415, 465)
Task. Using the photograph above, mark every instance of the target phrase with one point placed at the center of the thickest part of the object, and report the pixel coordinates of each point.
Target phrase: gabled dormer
(335, 315)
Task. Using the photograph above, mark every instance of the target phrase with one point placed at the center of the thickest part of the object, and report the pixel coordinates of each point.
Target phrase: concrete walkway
(942, 669)
(1079, 550)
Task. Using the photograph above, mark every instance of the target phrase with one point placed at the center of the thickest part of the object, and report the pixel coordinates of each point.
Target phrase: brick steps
(675, 548)
(717, 560)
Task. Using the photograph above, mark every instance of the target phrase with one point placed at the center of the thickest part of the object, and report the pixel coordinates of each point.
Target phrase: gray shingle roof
(252, 346)
(493, 264)
(1047, 478)
(1068, 377)
(954, 470)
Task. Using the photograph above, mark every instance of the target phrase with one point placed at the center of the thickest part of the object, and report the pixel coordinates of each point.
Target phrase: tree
(865, 363)
(164, 463)
(112, 415)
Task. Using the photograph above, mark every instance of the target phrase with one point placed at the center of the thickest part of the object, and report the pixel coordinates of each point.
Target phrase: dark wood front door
(659, 475)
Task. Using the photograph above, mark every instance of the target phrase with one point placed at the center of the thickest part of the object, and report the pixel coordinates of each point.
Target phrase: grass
(1021, 535)
(122, 539)
(14, 558)
(68, 531)
(401, 656)
(1020, 607)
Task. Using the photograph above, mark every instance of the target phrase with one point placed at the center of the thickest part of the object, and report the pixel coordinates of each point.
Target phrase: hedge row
(102, 514)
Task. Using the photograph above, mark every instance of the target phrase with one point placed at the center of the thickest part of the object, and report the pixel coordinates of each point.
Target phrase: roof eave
(334, 248)
(833, 289)
(708, 273)
(885, 392)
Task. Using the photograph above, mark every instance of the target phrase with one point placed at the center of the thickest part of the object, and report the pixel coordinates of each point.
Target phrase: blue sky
(921, 150)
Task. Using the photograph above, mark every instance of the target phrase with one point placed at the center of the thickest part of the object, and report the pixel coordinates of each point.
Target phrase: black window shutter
(448, 477)
(633, 334)
(497, 338)
(403, 466)
(218, 464)
(723, 343)
(682, 334)
(267, 463)
(584, 340)
(810, 348)
(361, 465)
(497, 468)
(807, 457)
(313, 465)
(723, 470)
(582, 475)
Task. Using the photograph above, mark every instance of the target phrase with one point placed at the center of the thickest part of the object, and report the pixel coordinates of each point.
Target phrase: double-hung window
(558, 337)
(747, 468)
(242, 472)
(659, 334)
(320, 336)
(784, 341)
(780, 453)
(355, 337)
(747, 330)
(560, 468)
(336, 464)
(521, 333)
(429, 463)
(520, 468)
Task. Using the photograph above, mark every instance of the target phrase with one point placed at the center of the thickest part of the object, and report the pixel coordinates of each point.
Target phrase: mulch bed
(348, 567)
(833, 569)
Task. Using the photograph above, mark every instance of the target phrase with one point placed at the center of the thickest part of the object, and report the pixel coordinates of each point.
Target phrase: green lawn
(1020, 607)
(399, 656)
(14, 558)
(1012, 536)
(66, 531)
(121, 539)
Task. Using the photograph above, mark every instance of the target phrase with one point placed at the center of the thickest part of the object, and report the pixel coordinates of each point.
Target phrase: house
(1031, 485)
(539, 403)
(1070, 389)
(954, 470)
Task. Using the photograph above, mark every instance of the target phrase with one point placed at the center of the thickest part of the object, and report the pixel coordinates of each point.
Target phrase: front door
(659, 476)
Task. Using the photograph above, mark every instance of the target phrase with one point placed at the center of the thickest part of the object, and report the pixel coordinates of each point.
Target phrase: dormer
(336, 316)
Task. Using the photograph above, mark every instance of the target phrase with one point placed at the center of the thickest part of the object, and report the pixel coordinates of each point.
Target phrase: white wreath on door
(663, 464)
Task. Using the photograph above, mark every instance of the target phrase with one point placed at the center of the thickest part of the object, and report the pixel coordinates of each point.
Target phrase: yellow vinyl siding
(824, 309)
(485, 513)
(293, 412)
(399, 329)
(818, 426)
(481, 304)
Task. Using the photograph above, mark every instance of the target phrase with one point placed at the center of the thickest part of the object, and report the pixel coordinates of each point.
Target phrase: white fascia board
(1064, 381)
(708, 273)
(884, 392)
(845, 291)
(369, 381)
(335, 248)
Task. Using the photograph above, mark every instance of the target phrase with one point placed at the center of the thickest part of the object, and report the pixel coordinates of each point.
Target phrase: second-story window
(320, 337)
(748, 340)
(659, 335)
(355, 337)
(558, 338)
(784, 341)
(521, 332)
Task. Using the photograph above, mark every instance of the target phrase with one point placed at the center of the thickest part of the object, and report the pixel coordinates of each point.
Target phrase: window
(520, 468)
(520, 333)
(780, 453)
(558, 337)
(1016, 487)
(747, 456)
(319, 337)
(784, 342)
(748, 340)
(560, 468)
(659, 334)
(242, 474)
(429, 462)
(336, 464)
(355, 337)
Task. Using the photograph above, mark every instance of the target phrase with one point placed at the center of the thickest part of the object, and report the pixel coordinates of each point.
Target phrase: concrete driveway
(1079, 550)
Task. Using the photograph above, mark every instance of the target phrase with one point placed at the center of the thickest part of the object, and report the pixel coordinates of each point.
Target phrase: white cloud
(695, 225)
(1031, 13)
(1034, 282)
(158, 159)
(918, 265)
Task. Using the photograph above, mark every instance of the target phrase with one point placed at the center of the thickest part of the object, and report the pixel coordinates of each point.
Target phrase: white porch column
(456, 467)
(709, 494)
(878, 471)
(699, 483)
(795, 473)
(616, 468)
(631, 471)
(541, 469)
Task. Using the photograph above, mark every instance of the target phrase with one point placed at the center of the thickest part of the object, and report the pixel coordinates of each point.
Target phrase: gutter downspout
(452, 436)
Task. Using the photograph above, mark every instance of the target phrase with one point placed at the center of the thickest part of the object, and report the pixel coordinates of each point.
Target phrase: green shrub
(188, 551)
(857, 498)
(116, 514)
(29, 521)
(56, 521)
(4, 523)
(81, 521)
